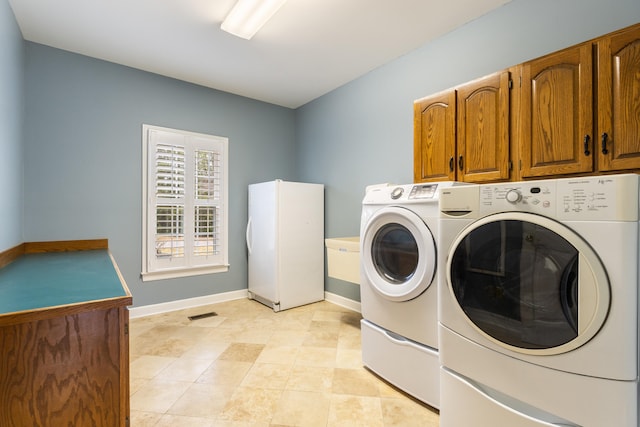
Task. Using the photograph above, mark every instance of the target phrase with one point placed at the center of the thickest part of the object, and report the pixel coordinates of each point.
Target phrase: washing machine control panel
(424, 191)
(397, 192)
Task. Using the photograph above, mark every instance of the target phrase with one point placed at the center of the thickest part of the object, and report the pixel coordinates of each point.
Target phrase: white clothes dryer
(398, 286)
(539, 309)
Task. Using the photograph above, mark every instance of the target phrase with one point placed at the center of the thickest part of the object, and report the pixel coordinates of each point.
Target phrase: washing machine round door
(398, 254)
(528, 283)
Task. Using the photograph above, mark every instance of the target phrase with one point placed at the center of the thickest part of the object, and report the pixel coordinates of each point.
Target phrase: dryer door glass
(395, 253)
(517, 281)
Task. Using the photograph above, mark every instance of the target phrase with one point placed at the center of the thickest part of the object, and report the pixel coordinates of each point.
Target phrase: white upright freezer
(285, 243)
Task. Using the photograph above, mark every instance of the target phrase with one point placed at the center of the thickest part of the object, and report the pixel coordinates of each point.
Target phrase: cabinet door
(619, 100)
(483, 129)
(434, 127)
(556, 113)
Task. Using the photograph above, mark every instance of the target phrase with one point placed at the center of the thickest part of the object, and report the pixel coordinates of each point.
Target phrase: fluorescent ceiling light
(248, 16)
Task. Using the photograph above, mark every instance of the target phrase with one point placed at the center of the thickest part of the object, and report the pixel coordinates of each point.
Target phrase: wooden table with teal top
(64, 340)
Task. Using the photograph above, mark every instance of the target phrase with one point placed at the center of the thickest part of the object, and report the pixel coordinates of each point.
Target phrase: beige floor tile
(267, 375)
(226, 423)
(251, 405)
(157, 395)
(202, 400)
(180, 420)
(354, 382)
(324, 325)
(302, 408)
(136, 383)
(253, 335)
(184, 369)
(225, 373)
(310, 378)
(280, 354)
(349, 342)
(165, 340)
(242, 352)
(139, 326)
(149, 366)
(348, 358)
(295, 320)
(403, 412)
(354, 411)
(328, 316)
(268, 322)
(386, 389)
(288, 337)
(349, 337)
(144, 419)
(207, 349)
(321, 338)
(227, 335)
(252, 367)
(316, 356)
(237, 323)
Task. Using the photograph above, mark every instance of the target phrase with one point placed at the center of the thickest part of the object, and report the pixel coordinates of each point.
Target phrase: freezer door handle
(247, 235)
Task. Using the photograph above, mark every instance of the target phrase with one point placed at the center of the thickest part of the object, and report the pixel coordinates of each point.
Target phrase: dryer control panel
(535, 197)
(599, 198)
(595, 198)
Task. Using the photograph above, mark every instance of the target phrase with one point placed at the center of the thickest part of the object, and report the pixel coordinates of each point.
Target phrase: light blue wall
(83, 157)
(362, 133)
(11, 120)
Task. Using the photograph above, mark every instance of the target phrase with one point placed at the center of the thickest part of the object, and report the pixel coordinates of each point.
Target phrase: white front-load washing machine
(398, 286)
(539, 309)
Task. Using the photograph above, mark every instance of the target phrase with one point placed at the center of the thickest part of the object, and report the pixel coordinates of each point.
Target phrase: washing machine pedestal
(412, 367)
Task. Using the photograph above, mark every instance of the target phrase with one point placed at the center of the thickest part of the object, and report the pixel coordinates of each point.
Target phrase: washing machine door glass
(399, 254)
(394, 252)
(528, 283)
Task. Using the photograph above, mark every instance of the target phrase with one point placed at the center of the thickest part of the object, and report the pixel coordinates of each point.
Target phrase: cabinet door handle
(586, 145)
(604, 143)
(451, 164)
(460, 163)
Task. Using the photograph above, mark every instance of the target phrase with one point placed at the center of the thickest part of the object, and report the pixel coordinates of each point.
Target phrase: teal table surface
(43, 280)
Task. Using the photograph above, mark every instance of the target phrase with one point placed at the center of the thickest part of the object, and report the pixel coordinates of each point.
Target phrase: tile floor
(249, 366)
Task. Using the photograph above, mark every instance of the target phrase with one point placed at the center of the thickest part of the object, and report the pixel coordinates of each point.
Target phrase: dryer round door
(528, 283)
(399, 254)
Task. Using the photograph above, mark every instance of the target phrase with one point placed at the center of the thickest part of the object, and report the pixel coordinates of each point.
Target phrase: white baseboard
(342, 301)
(148, 310)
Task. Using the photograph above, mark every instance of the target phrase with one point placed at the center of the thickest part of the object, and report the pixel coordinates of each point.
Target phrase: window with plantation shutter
(185, 209)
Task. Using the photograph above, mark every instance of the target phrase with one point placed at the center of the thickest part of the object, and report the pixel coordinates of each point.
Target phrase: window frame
(189, 264)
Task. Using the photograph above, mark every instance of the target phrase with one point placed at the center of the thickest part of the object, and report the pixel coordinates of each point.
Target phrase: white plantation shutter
(207, 218)
(169, 200)
(185, 203)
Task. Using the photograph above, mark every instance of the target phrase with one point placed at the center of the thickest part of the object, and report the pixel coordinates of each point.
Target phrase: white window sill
(182, 272)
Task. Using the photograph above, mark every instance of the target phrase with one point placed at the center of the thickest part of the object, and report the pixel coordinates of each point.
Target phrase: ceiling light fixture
(248, 16)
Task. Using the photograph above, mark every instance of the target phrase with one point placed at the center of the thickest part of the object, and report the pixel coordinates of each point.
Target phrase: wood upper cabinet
(618, 125)
(556, 116)
(483, 129)
(434, 137)
(574, 112)
(463, 133)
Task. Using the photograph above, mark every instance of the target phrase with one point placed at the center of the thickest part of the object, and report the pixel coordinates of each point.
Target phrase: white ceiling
(309, 47)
